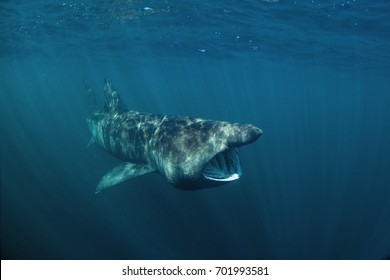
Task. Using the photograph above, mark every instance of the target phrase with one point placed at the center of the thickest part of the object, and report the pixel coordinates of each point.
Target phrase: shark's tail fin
(91, 97)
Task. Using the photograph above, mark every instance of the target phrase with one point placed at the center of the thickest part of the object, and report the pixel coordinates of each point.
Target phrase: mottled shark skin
(192, 153)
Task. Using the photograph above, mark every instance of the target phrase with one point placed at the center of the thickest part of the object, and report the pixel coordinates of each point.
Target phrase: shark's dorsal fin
(112, 103)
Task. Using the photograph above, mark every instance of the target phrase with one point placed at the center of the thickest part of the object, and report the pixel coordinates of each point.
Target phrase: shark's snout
(253, 133)
(243, 134)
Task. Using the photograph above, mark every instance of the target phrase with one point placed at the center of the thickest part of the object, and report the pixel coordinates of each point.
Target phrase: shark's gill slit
(225, 166)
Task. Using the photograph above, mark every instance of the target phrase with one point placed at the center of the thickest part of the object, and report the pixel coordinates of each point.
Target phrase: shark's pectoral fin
(121, 173)
(91, 142)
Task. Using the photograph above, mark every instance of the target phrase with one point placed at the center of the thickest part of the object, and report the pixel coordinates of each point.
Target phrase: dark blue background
(315, 77)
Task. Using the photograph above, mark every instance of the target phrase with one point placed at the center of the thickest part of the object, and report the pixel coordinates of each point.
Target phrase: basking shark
(191, 153)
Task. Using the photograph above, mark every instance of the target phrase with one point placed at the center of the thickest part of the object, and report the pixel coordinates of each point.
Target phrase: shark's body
(191, 153)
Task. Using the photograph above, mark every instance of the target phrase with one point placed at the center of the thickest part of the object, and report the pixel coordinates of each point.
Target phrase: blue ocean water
(314, 75)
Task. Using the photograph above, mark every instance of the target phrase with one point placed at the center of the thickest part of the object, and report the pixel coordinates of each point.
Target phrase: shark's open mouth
(224, 167)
